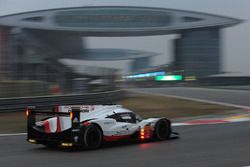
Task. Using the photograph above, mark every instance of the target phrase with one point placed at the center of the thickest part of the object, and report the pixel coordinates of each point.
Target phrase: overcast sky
(236, 41)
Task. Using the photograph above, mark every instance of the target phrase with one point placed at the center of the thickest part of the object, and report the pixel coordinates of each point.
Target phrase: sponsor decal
(121, 132)
(125, 126)
(83, 108)
(108, 123)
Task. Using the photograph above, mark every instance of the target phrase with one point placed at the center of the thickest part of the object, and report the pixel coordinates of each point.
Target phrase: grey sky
(236, 44)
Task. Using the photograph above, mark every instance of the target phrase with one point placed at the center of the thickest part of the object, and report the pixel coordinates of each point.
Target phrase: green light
(169, 78)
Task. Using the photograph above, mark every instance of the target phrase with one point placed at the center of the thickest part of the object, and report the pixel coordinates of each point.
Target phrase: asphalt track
(240, 98)
(202, 146)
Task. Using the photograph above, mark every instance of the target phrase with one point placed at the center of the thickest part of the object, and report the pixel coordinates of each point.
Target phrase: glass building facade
(198, 51)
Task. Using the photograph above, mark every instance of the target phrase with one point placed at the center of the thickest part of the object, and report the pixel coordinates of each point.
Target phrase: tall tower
(198, 51)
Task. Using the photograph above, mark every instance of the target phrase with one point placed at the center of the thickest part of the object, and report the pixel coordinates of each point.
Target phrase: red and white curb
(237, 118)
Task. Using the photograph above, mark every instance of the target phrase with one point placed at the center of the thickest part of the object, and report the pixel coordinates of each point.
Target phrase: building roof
(116, 20)
(99, 54)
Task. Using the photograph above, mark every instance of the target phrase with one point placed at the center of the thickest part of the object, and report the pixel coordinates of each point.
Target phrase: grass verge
(160, 106)
(145, 105)
(12, 122)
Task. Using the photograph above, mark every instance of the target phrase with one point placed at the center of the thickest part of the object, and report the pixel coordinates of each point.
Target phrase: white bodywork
(98, 114)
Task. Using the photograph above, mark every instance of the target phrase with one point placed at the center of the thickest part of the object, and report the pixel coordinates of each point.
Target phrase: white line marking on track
(209, 101)
(12, 134)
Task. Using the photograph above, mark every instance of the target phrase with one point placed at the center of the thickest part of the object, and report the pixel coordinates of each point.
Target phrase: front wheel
(92, 137)
(162, 129)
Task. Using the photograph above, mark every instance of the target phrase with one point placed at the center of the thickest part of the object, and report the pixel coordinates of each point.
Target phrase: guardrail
(46, 102)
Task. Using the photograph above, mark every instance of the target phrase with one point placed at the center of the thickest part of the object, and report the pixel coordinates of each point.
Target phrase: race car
(88, 126)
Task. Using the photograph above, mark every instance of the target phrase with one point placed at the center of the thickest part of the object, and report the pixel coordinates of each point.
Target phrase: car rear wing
(73, 113)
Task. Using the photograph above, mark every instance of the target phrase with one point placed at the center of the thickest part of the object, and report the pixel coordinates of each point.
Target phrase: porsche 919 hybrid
(89, 126)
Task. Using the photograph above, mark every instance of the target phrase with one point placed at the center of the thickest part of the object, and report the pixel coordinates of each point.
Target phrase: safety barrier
(46, 102)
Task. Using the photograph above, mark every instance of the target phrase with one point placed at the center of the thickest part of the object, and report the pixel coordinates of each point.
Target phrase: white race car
(89, 126)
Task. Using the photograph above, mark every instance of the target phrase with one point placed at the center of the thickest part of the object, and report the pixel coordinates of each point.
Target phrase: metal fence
(47, 102)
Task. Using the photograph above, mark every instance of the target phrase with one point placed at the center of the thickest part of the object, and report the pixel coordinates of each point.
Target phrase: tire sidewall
(157, 134)
(92, 128)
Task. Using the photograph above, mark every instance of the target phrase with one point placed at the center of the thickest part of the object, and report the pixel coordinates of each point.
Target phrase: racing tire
(92, 137)
(162, 130)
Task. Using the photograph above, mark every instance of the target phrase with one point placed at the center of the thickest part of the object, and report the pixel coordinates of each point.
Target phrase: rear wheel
(162, 129)
(92, 137)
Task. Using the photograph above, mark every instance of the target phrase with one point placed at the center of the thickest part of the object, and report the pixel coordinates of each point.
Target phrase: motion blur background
(200, 50)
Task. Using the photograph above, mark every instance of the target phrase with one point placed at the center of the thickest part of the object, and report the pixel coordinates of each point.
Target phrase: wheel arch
(95, 123)
(85, 142)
